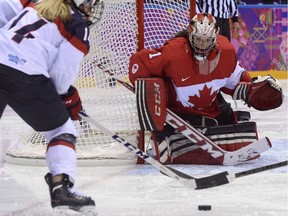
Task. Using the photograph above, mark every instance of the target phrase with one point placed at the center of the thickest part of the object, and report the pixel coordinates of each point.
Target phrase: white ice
(140, 190)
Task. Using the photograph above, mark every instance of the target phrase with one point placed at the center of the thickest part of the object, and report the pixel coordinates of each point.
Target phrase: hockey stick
(168, 171)
(226, 177)
(194, 183)
(223, 157)
(261, 169)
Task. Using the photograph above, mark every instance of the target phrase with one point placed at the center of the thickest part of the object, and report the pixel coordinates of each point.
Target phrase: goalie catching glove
(72, 102)
(262, 93)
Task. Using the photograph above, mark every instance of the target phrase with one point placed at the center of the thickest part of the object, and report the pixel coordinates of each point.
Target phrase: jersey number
(154, 55)
(25, 31)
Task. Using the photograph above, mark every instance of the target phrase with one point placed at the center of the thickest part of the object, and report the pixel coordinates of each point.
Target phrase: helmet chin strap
(200, 57)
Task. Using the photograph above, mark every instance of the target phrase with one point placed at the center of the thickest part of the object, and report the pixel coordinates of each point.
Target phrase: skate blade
(83, 211)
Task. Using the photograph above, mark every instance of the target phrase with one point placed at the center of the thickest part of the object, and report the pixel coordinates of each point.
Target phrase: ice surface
(140, 190)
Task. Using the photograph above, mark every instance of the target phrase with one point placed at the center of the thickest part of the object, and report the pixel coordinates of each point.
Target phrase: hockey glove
(72, 102)
(262, 93)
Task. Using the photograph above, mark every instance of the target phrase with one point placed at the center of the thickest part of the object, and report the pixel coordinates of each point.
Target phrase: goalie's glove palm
(262, 93)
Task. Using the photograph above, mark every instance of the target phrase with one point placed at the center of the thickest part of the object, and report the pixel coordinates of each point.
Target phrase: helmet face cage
(91, 9)
(202, 34)
(96, 11)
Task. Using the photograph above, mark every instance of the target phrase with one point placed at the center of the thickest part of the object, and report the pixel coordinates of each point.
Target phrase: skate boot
(63, 197)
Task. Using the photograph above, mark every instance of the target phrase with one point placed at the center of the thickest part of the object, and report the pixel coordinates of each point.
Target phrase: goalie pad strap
(151, 103)
(240, 92)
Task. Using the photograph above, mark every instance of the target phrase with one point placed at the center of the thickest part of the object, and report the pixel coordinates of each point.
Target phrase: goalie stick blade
(248, 152)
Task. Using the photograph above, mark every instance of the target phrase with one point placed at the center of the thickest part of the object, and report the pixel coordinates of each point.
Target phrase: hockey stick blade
(226, 177)
(223, 157)
(208, 181)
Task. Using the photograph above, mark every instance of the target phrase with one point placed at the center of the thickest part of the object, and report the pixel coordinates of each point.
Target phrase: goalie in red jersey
(194, 67)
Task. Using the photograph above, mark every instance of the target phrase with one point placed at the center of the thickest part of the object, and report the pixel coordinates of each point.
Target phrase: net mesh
(113, 40)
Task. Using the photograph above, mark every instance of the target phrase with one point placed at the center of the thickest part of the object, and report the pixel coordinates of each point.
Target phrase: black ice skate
(63, 197)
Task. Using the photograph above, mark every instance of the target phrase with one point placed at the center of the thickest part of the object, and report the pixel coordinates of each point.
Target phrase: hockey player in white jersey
(41, 51)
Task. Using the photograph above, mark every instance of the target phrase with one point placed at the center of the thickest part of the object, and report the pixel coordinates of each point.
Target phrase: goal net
(125, 27)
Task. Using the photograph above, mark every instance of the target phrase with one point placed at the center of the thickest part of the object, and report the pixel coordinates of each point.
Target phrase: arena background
(261, 42)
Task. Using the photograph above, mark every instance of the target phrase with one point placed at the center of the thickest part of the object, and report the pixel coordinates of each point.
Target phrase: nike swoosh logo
(183, 79)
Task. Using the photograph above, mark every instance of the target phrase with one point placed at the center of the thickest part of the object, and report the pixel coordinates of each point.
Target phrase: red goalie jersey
(196, 65)
(189, 90)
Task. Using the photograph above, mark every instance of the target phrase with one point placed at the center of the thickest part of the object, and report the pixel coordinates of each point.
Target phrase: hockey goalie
(189, 75)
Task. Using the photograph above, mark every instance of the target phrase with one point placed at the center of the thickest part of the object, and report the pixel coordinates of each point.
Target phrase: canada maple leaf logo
(205, 98)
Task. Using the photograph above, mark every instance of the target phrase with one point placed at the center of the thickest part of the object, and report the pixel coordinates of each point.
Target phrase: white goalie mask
(91, 9)
(202, 34)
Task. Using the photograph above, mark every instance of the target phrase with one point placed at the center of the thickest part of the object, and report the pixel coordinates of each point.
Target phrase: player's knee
(67, 137)
(68, 140)
(67, 128)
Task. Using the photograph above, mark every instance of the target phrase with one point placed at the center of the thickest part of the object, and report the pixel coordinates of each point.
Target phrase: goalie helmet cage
(126, 26)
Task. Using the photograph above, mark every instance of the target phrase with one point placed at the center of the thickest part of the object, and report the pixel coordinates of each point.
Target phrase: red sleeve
(146, 63)
(245, 77)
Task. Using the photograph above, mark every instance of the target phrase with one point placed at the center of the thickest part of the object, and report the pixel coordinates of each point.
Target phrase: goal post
(126, 26)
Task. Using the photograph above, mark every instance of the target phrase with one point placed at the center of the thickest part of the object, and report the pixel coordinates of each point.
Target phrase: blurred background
(261, 41)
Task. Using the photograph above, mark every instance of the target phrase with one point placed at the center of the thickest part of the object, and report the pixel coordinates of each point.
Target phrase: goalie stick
(194, 183)
(223, 157)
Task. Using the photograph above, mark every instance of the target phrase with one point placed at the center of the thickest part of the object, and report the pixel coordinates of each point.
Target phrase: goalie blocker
(151, 103)
(177, 149)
